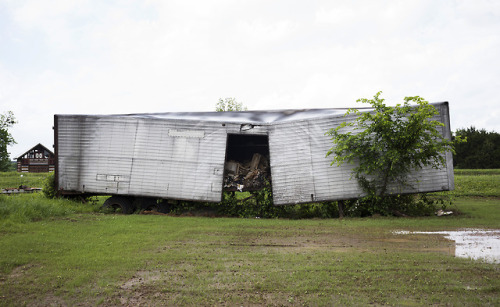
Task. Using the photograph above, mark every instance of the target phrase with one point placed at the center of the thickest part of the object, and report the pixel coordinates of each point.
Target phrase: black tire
(152, 204)
(118, 204)
(146, 203)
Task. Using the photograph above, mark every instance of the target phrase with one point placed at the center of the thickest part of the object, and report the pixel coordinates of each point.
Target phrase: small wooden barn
(38, 159)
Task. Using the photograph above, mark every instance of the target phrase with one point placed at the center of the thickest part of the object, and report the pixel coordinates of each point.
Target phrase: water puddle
(475, 244)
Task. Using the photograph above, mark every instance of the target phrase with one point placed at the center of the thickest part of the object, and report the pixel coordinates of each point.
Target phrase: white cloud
(259, 32)
(156, 56)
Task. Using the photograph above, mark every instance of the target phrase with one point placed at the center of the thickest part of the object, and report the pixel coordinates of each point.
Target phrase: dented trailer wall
(181, 155)
(301, 173)
(141, 157)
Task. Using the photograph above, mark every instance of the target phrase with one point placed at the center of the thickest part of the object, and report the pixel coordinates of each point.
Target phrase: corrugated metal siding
(290, 151)
(301, 171)
(143, 157)
(299, 168)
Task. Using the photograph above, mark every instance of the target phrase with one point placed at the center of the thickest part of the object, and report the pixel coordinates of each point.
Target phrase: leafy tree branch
(229, 104)
(7, 120)
(389, 143)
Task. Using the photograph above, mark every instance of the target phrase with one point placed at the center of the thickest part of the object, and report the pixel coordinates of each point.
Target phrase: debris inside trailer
(247, 176)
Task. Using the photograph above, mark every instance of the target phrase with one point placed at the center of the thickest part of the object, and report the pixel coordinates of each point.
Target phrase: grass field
(74, 255)
(477, 183)
(15, 179)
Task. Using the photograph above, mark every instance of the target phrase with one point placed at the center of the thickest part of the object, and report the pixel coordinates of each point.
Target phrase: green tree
(229, 104)
(481, 151)
(388, 143)
(7, 120)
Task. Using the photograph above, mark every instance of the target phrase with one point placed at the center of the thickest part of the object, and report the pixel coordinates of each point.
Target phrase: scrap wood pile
(248, 176)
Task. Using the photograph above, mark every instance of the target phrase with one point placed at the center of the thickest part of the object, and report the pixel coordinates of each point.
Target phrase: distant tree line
(481, 151)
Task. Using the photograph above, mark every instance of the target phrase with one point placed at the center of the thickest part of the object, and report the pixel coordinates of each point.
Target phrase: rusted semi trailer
(140, 158)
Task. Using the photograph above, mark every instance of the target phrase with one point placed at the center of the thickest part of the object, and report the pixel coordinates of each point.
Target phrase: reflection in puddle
(475, 244)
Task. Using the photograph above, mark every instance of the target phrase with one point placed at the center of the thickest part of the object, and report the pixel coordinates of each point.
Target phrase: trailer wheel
(118, 204)
(146, 203)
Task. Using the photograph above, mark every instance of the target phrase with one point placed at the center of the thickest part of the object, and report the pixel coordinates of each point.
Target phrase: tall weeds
(16, 209)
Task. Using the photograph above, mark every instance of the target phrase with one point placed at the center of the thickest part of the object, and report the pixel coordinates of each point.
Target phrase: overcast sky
(101, 57)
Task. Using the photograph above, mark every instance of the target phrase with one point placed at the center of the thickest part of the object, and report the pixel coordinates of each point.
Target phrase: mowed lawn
(101, 259)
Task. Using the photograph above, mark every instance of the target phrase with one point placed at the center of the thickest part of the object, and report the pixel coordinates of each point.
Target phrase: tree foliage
(7, 120)
(481, 151)
(229, 104)
(389, 142)
(49, 186)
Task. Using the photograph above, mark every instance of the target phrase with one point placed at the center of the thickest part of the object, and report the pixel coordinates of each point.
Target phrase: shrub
(396, 205)
(387, 145)
(49, 186)
(258, 204)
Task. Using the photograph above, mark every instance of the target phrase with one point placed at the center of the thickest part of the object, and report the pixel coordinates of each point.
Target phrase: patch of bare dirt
(138, 290)
(141, 278)
(20, 271)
